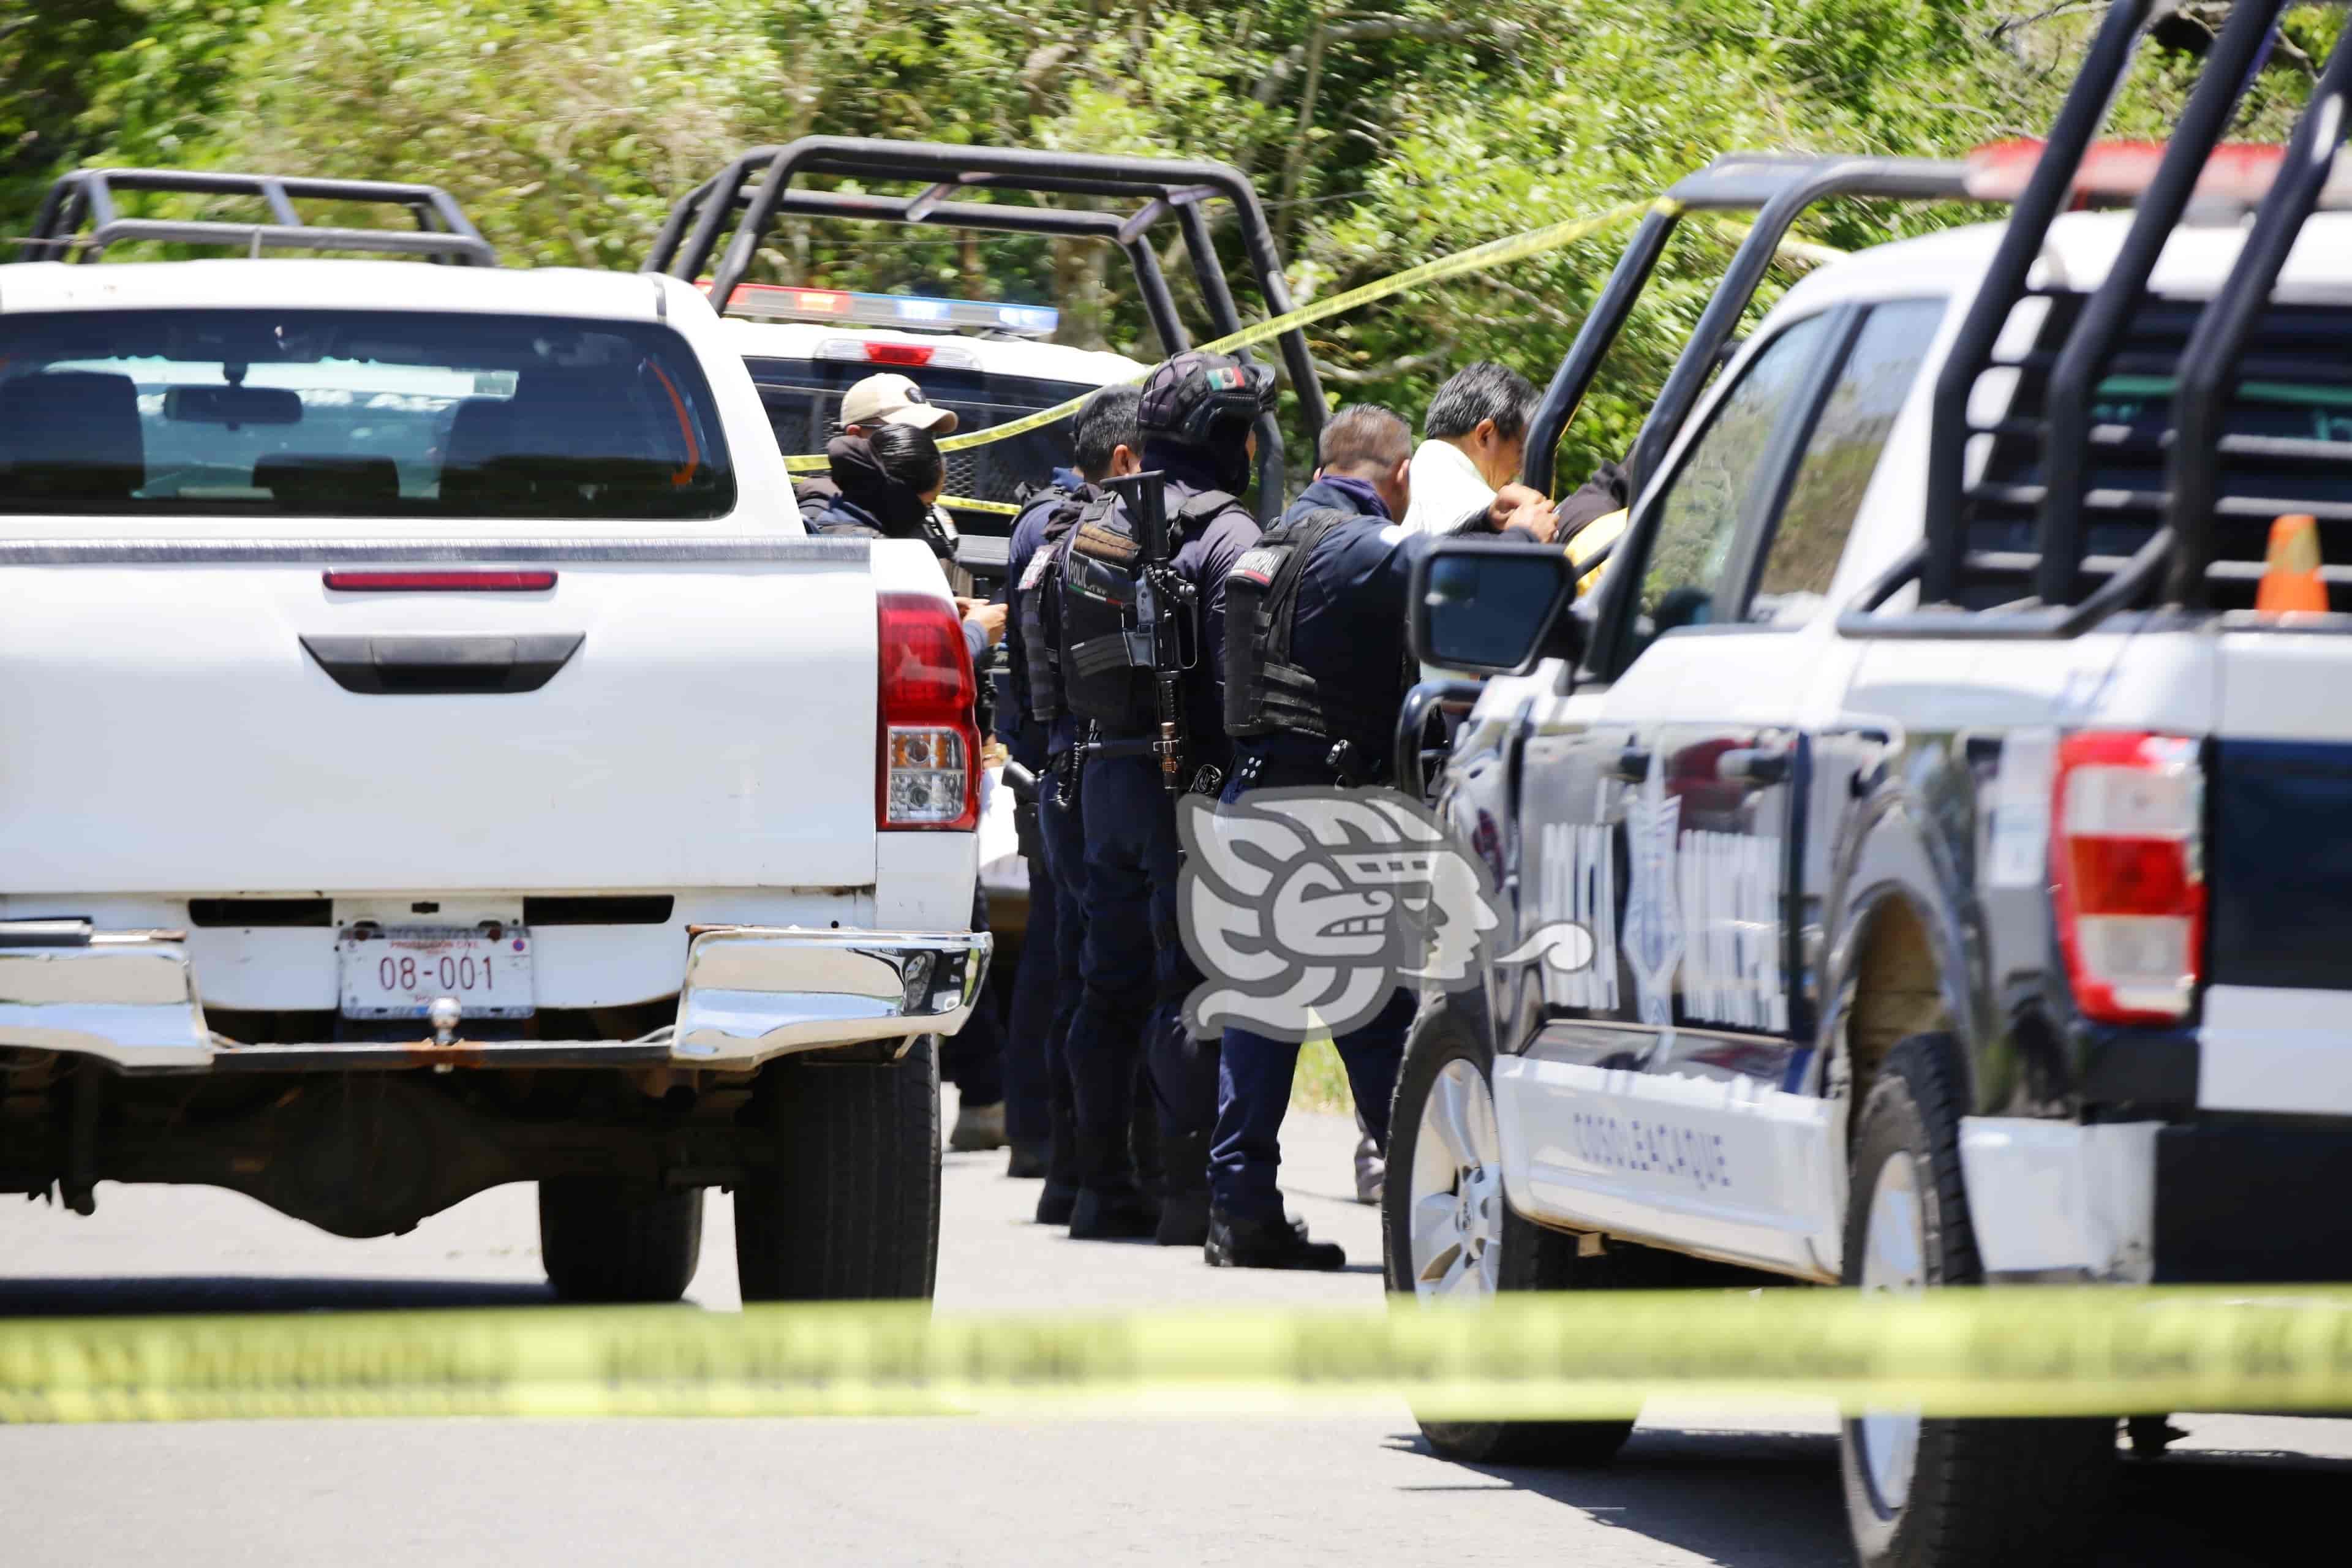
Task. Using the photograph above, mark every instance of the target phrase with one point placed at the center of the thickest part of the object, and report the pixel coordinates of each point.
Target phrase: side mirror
(1493, 607)
(233, 406)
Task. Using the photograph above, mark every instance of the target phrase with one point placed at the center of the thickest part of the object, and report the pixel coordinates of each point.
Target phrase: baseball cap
(889, 399)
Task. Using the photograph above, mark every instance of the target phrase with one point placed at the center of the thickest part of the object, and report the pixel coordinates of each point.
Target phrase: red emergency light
(2238, 174)
(790, 300)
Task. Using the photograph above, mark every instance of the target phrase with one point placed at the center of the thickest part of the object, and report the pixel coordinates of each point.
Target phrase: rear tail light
(899, 353)
(929, 775)
(2127, 852)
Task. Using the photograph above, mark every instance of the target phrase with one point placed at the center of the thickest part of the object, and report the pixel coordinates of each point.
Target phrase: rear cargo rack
(442, 232)
(758, 188)
(2087, 559)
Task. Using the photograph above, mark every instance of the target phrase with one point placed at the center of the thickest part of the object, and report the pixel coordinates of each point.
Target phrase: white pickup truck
(437, 758)
(1953, 772)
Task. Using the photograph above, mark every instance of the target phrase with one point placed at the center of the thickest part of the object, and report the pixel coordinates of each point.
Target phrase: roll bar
(87, 195)
(759, 186)
(1779, 189)
(2177, 556)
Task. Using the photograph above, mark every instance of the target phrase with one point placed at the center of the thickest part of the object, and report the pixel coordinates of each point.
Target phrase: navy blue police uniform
(1347, 638)
(1135, 973)
(1038, 1105)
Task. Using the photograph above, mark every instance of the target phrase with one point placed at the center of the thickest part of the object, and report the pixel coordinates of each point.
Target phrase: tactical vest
(1267, 692)
(1105, 677)
(1034, 601)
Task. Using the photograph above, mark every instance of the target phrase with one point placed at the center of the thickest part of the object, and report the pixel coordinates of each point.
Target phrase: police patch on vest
(1258, 565)
(1034, 572)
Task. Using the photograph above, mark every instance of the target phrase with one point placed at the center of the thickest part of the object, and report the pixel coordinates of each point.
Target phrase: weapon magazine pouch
(1035, 604)
(1266, 691)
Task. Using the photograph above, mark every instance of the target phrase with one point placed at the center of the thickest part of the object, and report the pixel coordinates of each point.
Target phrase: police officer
(1312, 694)
(1195, 416)
(1043, 736)
(878, 400)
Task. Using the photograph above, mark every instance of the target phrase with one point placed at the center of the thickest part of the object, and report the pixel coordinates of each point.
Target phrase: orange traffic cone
(2291, 574)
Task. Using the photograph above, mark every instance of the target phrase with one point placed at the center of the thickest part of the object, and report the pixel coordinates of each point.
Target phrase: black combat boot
(1109, 1206)
(1183, 1190)
(1054, 1204)
(1028, 1159)
(1267, 1244)
(1116, 1214)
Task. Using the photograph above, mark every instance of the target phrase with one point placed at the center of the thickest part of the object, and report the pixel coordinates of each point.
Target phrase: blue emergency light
(782, 302)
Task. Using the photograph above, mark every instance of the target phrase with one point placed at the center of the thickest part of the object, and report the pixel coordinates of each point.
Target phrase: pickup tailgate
(231, 724)
(2279, 811)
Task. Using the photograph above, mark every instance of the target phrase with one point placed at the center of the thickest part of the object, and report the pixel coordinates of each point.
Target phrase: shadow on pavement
(1772, 1500)
(69, 1297)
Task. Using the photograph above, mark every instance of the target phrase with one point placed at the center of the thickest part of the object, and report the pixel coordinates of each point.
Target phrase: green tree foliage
(1380, 132)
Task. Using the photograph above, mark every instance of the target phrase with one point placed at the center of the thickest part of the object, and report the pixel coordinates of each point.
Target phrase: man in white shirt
(1473, 438)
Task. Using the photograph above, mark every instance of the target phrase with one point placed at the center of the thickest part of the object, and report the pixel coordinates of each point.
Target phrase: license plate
(399, 972)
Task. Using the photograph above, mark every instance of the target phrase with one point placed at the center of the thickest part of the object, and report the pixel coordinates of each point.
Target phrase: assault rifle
(1164, 605)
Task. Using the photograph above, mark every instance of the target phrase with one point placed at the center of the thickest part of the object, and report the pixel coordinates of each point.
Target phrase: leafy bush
(1380, 135)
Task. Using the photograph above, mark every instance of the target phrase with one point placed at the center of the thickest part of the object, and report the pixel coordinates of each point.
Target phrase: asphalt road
(1692, 1487)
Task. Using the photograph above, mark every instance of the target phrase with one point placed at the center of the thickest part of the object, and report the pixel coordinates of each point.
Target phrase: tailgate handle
(443, 666)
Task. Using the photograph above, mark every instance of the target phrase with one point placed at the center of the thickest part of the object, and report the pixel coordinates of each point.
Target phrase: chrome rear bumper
(748, 994)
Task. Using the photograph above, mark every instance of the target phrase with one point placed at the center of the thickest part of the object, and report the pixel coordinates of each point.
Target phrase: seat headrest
(576, 416)
(72, 435)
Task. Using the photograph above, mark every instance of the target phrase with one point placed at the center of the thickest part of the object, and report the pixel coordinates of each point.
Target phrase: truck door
(1671, 813)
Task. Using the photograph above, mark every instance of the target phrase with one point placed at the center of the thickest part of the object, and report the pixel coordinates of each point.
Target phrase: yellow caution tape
(1478, 257)
(2028, 1352)
(965, 504)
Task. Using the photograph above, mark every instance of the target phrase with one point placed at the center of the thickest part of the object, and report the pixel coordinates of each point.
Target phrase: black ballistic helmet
(1204, 399)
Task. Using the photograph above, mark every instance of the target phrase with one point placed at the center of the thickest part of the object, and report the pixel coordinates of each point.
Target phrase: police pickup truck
(1964, 833)
(438, 759)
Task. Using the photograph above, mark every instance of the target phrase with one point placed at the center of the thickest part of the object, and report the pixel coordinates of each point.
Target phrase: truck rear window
(355, 413)
(803, 403)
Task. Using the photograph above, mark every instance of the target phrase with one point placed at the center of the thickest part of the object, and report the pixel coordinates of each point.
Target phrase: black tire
(603, 1242)
(1534, 1258)
(2017, 1493)
(849, 1208)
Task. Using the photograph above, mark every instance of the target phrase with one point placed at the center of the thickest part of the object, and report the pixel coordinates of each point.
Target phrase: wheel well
(1897, 991)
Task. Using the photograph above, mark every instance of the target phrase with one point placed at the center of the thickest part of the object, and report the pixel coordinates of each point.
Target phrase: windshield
(804, 402)
(355, 413)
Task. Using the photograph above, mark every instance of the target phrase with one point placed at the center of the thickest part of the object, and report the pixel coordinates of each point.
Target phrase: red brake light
(2126, 854)
(928, 773)
(439, 582)
(899, 353)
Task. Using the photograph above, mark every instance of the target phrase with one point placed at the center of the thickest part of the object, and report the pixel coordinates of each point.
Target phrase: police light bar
(781, 302)
(2237, 174)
